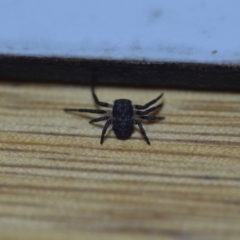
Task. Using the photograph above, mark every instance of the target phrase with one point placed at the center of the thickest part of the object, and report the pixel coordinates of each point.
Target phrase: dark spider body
(123, 117)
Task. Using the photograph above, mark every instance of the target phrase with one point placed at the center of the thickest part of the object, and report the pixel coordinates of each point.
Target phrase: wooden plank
(58, 182)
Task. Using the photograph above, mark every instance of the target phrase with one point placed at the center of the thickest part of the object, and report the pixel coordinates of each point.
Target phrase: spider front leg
(142, 131)
(99, 119)
(102, 104)
(149, 110)
(141, 107)
(98, 111)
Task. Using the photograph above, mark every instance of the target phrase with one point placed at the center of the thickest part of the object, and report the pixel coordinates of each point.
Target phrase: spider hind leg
(108, 122)
(142, 131)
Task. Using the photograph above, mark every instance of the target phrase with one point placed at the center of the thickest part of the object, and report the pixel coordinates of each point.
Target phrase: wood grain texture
(58, 182)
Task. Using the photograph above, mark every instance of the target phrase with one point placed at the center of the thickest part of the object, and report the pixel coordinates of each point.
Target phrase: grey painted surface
(186, 31)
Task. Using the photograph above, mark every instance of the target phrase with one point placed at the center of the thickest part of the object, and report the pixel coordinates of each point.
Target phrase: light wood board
(58, 182)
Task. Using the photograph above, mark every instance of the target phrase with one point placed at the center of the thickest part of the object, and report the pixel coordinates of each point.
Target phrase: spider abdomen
(123, 127)
(122, 118)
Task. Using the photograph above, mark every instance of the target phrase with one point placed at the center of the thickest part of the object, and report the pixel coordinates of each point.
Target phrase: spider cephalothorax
(123, 116)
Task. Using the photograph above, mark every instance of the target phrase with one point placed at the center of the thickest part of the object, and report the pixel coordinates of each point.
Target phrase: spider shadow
(77, 114)
(99, 125)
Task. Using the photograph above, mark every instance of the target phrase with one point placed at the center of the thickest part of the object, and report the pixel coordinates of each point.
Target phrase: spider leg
(149, 110)
(149, 103)
(98, 111)
(102, 104)
(151, 118)
(99, 119)
(108, 122)
(142, 131)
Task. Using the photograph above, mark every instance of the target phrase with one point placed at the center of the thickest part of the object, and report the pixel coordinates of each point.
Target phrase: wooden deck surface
(58, 182)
